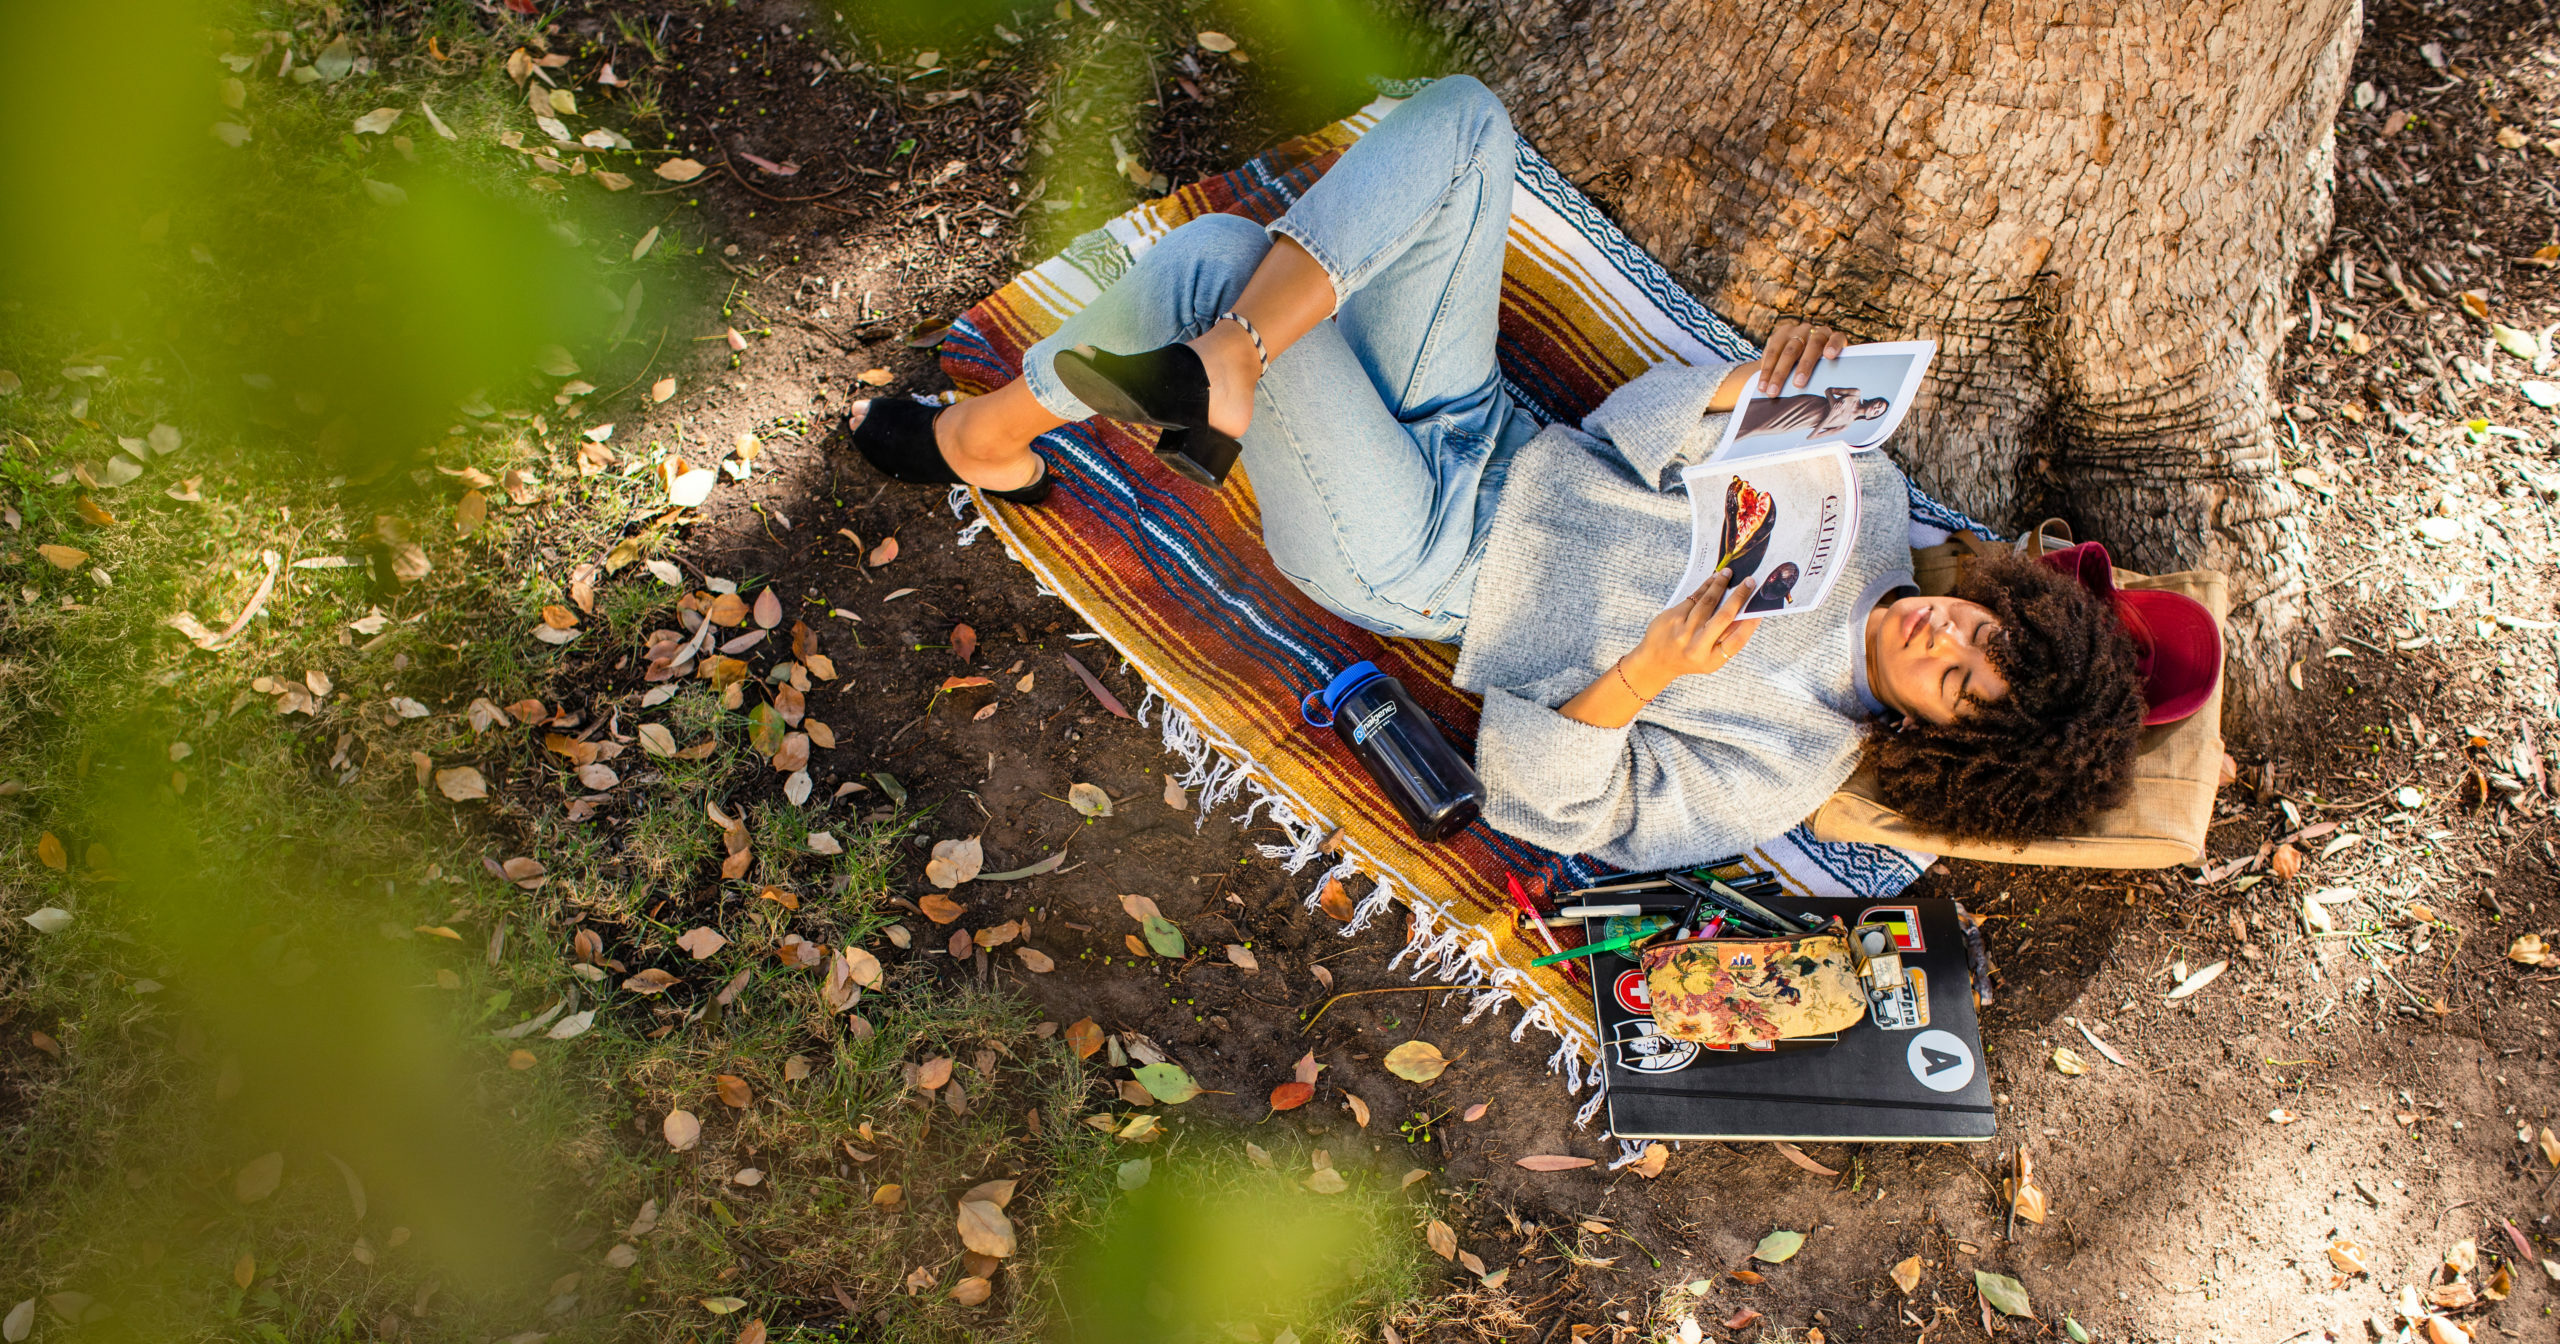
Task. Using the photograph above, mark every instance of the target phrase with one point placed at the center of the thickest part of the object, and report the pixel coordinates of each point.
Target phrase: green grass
(287, 948)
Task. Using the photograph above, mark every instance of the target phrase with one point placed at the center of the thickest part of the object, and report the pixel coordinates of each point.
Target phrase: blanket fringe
(958, 497)
(1218, 772)
(1629, 1150)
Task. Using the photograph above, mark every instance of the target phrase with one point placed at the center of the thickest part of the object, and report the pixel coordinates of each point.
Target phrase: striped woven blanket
(1175, 577)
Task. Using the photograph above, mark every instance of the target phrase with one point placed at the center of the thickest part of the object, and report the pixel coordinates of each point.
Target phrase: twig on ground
(1310, 1023)
(2356, 573)
(644, 369)
(819, 199)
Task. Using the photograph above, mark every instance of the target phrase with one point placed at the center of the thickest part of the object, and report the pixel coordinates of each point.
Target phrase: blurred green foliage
(179, 192)
(279, 946)
(1213, 1246)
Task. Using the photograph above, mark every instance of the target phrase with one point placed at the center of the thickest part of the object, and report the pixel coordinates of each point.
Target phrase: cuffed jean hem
(1382, 615)
(1040, 374)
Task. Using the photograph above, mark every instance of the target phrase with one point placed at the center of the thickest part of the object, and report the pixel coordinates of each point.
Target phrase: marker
(1599, 911)
(1624, 940)
(1529, 915)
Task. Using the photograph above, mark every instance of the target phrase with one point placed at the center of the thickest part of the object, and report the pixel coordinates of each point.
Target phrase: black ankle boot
(1167, 387)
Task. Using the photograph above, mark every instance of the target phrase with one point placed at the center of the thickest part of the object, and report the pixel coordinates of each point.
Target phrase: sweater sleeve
(1658, 422)
(1574, 788)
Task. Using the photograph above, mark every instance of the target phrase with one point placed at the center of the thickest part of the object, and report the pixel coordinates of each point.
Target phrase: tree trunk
(2097, 210)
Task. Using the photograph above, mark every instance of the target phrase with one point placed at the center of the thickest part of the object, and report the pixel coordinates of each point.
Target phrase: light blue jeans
(1380, 440)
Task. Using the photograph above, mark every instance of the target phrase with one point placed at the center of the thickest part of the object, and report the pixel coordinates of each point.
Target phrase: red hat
(2179, 642)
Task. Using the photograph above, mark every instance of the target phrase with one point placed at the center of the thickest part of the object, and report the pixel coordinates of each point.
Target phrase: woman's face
(1931, 654)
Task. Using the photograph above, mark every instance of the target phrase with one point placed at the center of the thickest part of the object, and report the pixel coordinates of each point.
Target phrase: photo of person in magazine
(1775, 591)
(1856, 398)
(1831, 412)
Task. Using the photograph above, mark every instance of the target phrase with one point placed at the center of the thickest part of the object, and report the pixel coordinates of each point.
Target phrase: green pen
(1619, 943)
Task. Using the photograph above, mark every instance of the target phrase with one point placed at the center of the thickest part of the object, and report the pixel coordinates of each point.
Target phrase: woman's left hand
(1793, 349)
(1693, 637)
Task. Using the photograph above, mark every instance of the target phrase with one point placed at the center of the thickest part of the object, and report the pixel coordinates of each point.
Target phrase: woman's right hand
(1794, 348)
(1693, 637)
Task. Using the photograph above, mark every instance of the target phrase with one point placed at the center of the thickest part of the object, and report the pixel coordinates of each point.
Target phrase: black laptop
(1911, 1072)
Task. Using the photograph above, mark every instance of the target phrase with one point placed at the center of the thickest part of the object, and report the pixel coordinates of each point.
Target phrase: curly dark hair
(2041, 760)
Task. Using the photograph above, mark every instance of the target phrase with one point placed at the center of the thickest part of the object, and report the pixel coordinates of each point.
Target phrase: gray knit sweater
(1586, 544)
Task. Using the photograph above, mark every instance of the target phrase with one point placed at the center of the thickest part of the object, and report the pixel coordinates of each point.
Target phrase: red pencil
(1529, 915)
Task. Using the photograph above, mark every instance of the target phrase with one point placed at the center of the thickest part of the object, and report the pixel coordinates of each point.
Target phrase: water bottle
(1433, 788)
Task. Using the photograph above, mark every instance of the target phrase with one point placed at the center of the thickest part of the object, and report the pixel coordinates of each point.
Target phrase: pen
(1619, 943)
(1529, 915)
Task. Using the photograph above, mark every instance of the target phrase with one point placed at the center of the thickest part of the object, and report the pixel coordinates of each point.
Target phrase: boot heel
(1198, 454)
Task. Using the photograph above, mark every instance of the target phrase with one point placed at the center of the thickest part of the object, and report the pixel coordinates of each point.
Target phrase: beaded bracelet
(1620, 667)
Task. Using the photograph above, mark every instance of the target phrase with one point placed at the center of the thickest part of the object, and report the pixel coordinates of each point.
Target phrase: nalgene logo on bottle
(1372, 721)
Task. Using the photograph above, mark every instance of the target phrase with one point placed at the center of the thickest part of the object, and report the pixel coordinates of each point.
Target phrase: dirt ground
(2398, 1086)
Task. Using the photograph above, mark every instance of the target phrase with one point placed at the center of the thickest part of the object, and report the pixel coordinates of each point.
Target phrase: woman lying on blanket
(1348, 352)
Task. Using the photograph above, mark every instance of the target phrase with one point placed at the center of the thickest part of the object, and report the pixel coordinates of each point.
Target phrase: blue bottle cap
(1347, 679)
(1343, 683)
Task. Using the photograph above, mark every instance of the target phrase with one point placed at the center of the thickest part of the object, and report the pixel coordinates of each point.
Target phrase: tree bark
(2097, 209)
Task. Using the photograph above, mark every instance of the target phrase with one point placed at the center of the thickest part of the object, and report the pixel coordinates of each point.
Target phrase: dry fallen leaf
(1089, 799)
(2347, 1256)
(651, 981)
(954, 862)
(1084, 1036)
(734, 1092)
(461, 784)
(2199, 980)
(885, 552)
(1443, 1241)
(1906, 1275)
(259, 1178)
(682, 1130)
(701, 942)
(1552, 1162)
(1797, 1155)
(1656, 1157)
(985, 1229)
(1416, 1061)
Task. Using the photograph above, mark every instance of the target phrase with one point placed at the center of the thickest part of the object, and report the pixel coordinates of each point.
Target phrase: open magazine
(1777, 501)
